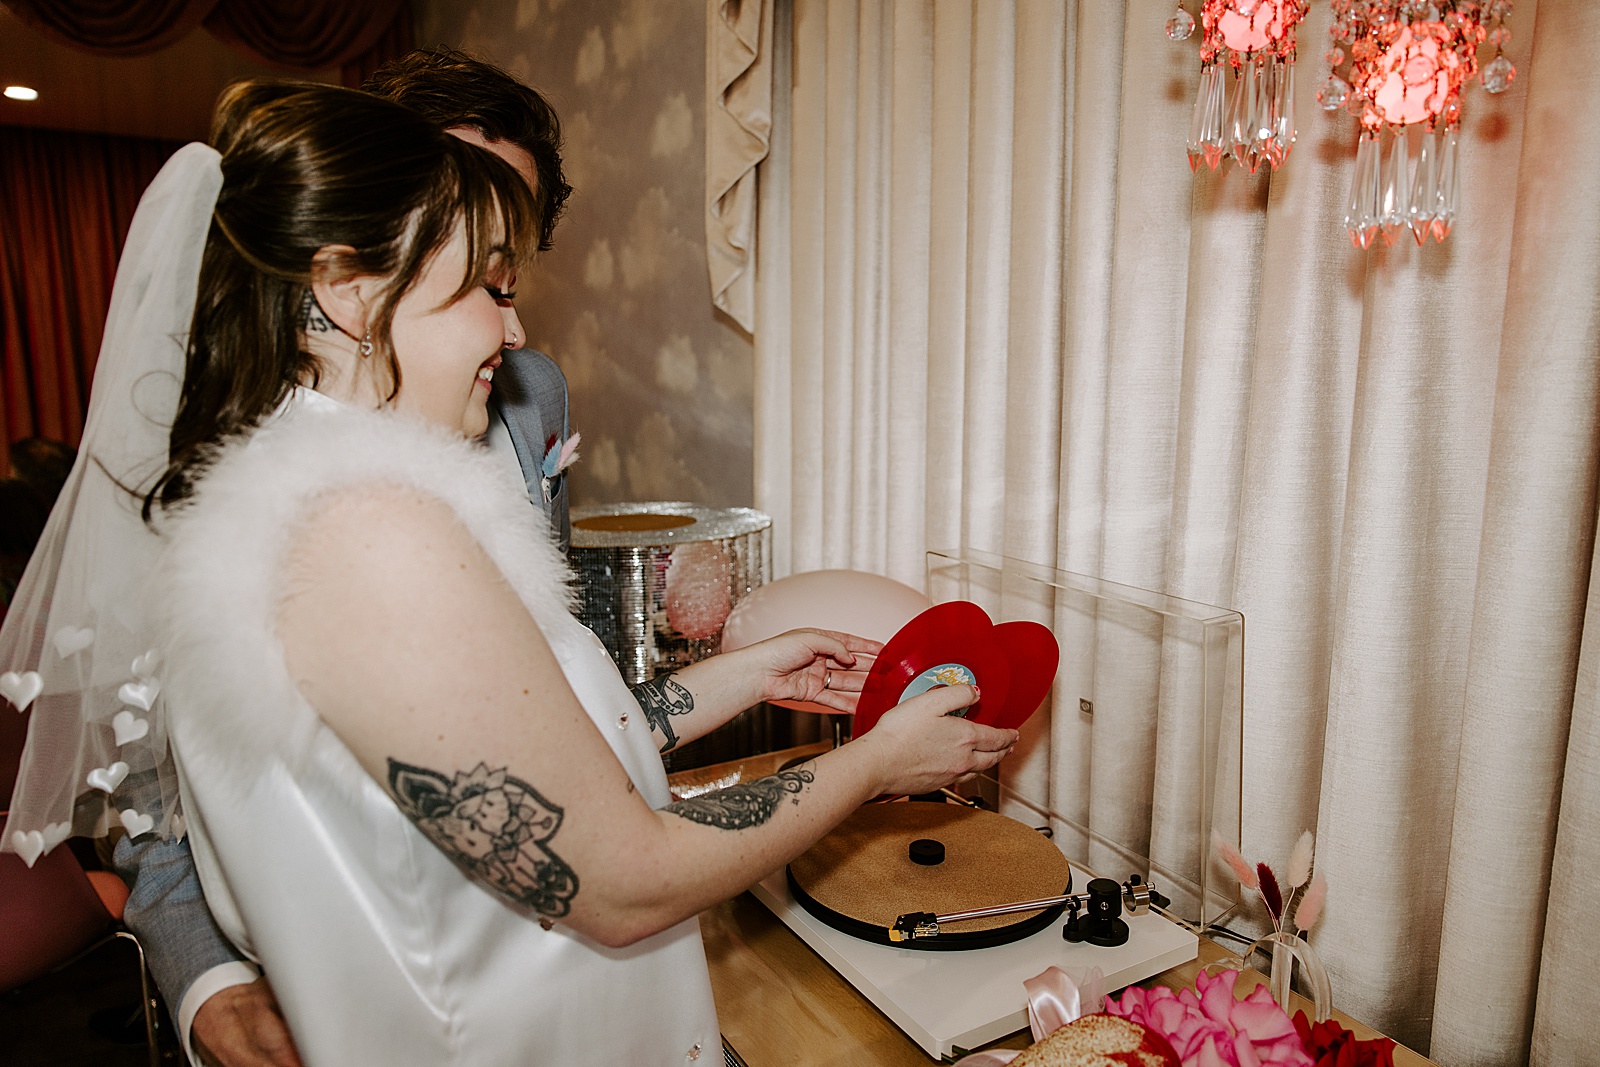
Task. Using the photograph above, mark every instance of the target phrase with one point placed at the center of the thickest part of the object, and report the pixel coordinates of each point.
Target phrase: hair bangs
(497, 212)
(307, 168)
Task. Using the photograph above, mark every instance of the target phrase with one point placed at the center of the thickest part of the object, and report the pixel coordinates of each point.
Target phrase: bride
(417, 789)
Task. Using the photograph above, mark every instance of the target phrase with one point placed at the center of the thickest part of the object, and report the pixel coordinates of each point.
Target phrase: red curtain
(114, 27)
(396, 41)
(66, 200)
(357, 36)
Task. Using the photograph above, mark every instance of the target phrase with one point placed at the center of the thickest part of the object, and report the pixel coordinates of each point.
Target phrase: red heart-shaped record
(1012, 664)
(1034, 655)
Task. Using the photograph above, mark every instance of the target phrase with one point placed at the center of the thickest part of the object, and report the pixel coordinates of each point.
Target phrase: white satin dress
(380, 949)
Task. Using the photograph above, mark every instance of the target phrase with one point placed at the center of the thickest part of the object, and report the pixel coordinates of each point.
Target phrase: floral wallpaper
(660, 380)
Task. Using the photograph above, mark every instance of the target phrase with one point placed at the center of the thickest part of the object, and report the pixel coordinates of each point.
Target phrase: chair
(56, 913)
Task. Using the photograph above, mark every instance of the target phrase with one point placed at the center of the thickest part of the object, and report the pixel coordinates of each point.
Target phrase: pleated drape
(357, 36)
(996, 311)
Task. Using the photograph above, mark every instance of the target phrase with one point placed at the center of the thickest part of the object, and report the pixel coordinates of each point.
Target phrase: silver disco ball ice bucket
(657, 580)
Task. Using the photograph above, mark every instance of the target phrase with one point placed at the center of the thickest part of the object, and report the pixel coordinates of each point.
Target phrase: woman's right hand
(920, 746)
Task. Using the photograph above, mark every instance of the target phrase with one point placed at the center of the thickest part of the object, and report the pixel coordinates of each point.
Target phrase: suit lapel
(520, 410)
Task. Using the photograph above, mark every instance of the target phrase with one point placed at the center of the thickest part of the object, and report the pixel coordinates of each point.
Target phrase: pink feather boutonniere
(569, 452)
(558, 456)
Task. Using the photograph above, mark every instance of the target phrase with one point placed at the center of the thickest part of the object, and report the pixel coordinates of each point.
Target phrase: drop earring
(366, 344)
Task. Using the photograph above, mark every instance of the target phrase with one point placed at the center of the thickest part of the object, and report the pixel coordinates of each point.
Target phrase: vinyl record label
(957, 643)
(934, 677)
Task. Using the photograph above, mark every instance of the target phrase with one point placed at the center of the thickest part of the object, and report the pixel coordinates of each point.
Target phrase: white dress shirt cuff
(208, 985)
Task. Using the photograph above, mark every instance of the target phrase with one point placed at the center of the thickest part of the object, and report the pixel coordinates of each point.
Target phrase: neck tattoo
(312, 318)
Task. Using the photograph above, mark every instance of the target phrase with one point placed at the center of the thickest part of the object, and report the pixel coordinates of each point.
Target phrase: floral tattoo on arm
(660, 699)
(495, 827)
(747, 804)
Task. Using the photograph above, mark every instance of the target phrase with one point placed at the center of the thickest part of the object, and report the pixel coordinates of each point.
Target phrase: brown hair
(306, 166)
(450, 88)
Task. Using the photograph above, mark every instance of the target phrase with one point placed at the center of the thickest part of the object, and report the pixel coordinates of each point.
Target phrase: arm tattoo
(748, 804)
(495, 827)
(660, 699)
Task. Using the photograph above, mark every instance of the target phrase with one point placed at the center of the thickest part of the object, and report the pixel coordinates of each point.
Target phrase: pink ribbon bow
(1055, 998)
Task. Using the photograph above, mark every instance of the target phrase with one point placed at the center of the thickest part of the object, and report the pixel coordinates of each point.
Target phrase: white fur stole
(221, 577)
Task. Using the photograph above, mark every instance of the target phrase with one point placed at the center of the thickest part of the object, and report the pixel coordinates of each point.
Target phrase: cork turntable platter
(885, 860)
(861, 878)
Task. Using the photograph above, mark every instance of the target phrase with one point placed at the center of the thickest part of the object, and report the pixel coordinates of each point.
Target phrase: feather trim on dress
(220, 579)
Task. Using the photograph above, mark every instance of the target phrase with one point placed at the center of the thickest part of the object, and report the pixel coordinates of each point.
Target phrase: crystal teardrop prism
(1424, 188)
(1260, 126)
(1372, 196)
(1444, 217)
(1283, 131)
(1197, 119)
(1359, 211)
(1213, 141)
(1395, 214)
(1180, 25)
(1238, 138)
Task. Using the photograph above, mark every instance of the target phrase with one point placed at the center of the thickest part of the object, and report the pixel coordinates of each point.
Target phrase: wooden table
(781, 1005)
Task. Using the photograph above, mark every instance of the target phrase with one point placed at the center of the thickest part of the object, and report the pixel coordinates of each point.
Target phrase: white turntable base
(974, 996)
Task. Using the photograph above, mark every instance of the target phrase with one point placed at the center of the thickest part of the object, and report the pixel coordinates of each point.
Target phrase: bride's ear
(344, 295)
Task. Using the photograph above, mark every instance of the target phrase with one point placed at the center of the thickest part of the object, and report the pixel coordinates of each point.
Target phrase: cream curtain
(994, 310)
(738, 126)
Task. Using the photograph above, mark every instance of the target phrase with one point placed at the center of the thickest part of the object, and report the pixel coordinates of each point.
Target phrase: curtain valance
(308, 34)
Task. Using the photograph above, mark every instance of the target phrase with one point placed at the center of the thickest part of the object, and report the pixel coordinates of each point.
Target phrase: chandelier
(1407, 64)
(1394, 64)
(1245, 107)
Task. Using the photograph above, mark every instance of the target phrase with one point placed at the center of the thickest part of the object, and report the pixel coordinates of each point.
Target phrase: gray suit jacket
(166, 907)
(530, 396)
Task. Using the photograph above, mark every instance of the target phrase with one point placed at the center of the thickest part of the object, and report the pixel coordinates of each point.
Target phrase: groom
(224, 1008)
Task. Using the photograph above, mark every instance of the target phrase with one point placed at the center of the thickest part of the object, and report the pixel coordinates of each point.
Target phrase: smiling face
(448, 351)
(522, 162)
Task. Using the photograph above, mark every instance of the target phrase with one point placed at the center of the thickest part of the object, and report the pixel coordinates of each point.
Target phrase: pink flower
(1212, 1029)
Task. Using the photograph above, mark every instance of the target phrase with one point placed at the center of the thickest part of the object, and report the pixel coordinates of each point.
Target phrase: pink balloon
(853, 602)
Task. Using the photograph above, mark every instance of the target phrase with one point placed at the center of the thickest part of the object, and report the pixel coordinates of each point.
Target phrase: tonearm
(1102, 903)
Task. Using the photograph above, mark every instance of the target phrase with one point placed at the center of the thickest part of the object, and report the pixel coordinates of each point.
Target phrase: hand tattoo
(660, 699)
(495, 827)
(739, 807)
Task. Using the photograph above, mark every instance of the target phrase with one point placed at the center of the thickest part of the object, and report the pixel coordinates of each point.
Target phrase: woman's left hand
(817, 666)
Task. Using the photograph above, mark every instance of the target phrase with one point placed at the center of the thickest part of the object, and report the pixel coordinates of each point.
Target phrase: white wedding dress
(380, 949)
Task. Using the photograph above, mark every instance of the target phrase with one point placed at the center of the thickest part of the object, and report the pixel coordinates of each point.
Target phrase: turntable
(886, 900)
(1134, 760)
